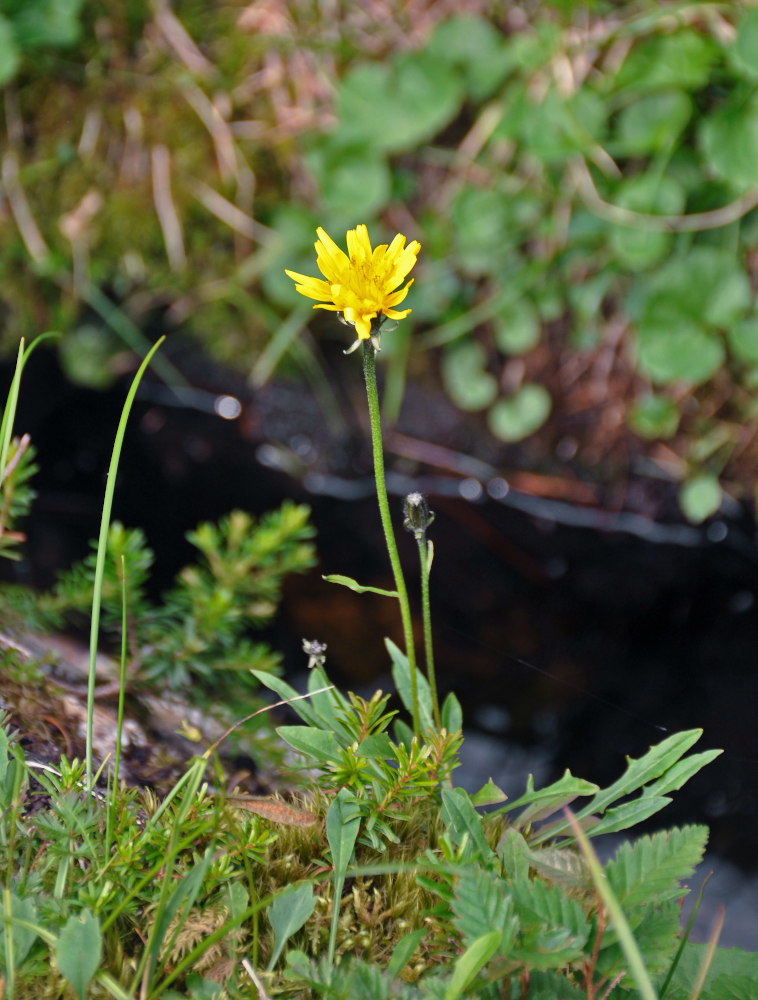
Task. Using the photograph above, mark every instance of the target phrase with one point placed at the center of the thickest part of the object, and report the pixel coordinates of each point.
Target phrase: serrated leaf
(78, 951)
(351, 584)
(462, 820)
(482, 902)
(320, 744)
(287, 914)
(553, 927)
(649, 871)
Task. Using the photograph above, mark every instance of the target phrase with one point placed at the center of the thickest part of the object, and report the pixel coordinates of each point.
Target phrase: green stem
(369, 371)
(425, 557)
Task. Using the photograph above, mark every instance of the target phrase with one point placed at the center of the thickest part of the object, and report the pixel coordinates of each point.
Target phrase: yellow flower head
(363, 285)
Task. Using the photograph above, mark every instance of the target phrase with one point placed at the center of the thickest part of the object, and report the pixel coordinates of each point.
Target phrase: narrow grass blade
(620, 924)
(101, 548)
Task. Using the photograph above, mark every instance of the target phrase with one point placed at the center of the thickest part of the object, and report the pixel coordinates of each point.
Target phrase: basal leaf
(452, 714)
(287, 914)
(482, 902)
(78, 951)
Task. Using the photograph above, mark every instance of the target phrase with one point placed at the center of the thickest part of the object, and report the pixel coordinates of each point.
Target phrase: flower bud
(418, 517)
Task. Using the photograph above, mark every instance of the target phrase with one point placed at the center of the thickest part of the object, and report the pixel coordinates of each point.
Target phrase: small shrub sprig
(195, 637)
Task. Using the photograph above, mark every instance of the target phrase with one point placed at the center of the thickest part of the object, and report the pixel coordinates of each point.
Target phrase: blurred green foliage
(583, 179)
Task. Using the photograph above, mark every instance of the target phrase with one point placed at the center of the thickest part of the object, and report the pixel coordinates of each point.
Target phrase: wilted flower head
(364, 284)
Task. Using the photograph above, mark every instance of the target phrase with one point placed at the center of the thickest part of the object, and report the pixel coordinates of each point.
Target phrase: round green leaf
(519, 415)
(654, 122)
(477, 48)
(642, 248)
(483, 235)
(729, 139)
(700, 497)
(654, 417)
(680, 59)
(744, 51)
(354, 183)
(707, 286)
(743, 340)
(394, 107)
(463, 372)
(678, 351)
(517, 328)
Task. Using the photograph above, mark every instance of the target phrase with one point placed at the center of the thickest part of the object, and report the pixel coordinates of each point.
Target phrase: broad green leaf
(643, 770)
(474, 958)
(347, 581)
(515, 855)
(475, 47)
(467, 382)
(654, 416)
(320, 744)
(403, 952)
(729, 139)
(78, 951)
(681, 59)
(11, 907)
(376, 745)
(287, 914)
(700, 497)
(462, 820)
(640, 248)
(485, 238)
(413, 96)
(707, 287)
(10, 56)
(452, 714)
(488, 795)
(742, 339)
(521, 414)
(681, 772)
(678, 351)
(401, 675)
(286, 692)
(328, 704)
(744, 50)
(48, 22)
(353, 180)
(650, 870)
(537, 804)
(629, 814)
(343, 821)
(516, 328)
(654, 122)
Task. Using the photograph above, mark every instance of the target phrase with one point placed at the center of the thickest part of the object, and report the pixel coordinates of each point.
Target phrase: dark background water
(572, 636)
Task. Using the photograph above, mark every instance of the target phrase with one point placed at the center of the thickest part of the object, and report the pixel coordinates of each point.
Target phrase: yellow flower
(363, 285)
